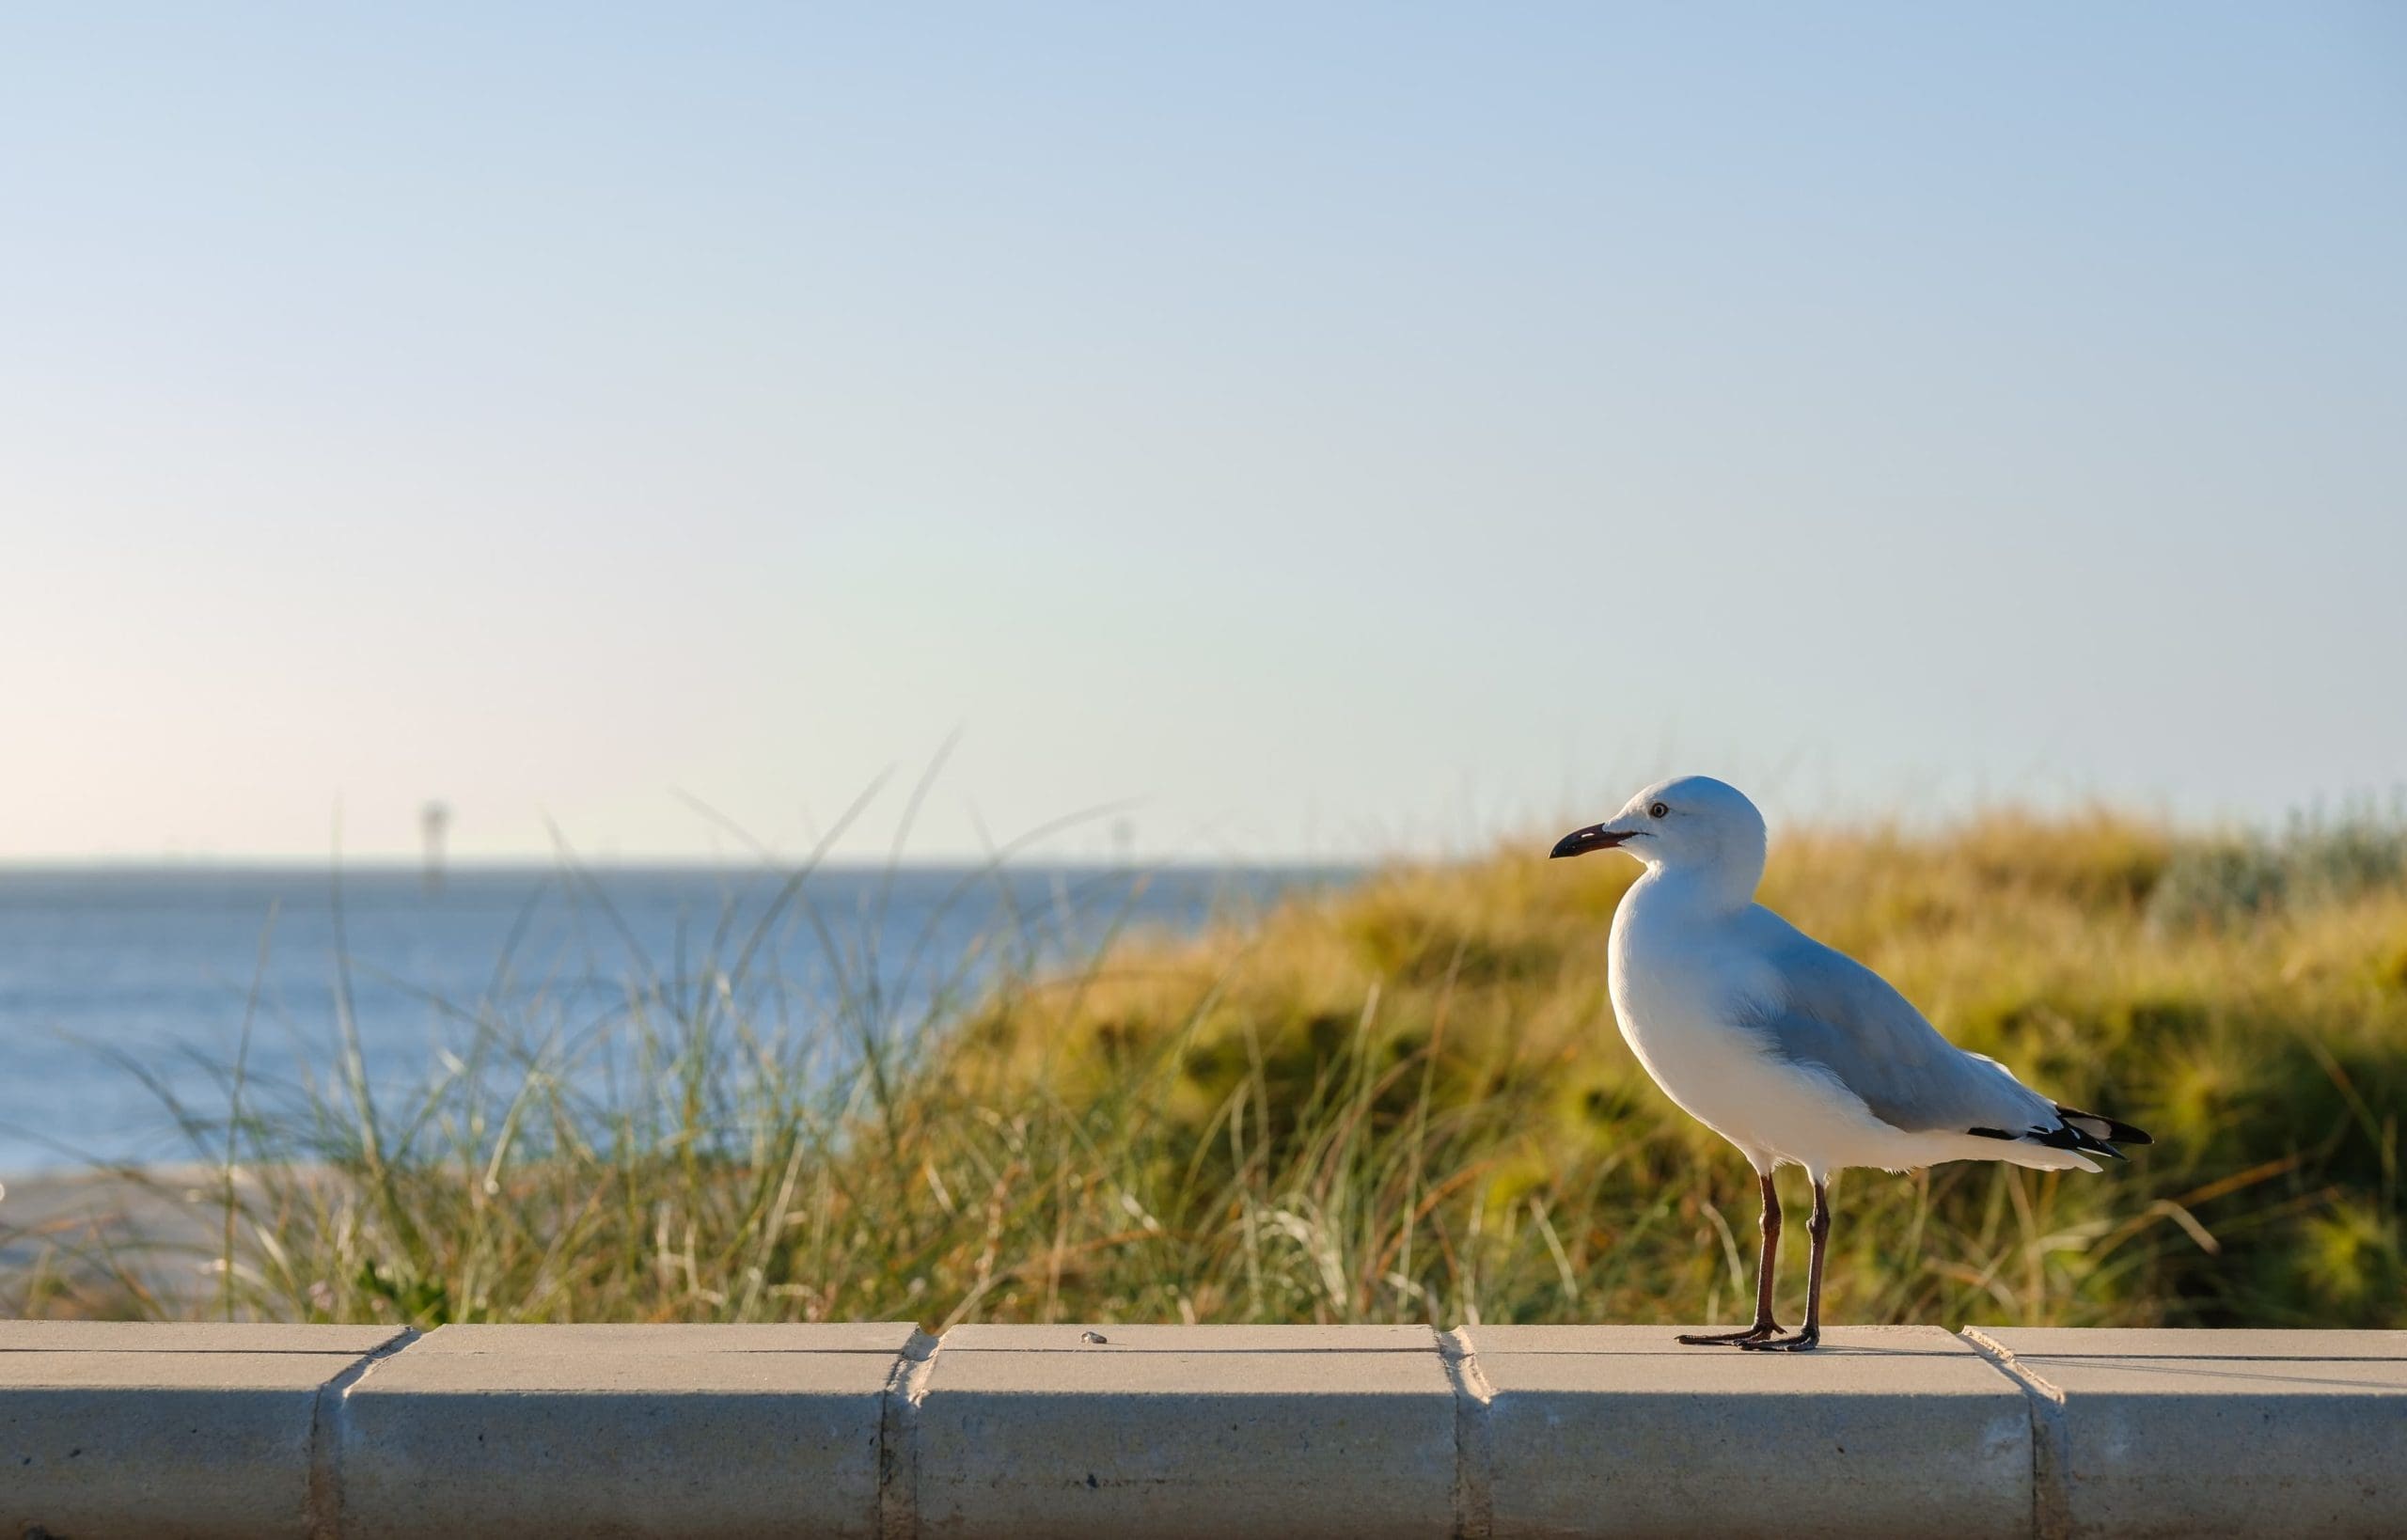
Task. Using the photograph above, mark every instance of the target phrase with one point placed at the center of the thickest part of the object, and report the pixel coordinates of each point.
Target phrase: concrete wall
(1114, 1430)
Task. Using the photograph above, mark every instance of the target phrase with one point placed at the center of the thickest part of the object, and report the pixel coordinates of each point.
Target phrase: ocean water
(122, 988)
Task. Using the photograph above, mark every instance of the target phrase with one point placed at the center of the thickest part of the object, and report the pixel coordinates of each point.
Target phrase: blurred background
(557, 555)
(1339, 431)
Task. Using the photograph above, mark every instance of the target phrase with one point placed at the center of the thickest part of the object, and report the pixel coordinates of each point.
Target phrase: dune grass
(1400, 1101)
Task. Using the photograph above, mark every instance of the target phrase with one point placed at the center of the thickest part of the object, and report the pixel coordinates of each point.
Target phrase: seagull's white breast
(1683, 985)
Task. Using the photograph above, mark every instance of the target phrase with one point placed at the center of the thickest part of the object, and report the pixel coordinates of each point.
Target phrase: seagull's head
(1693, 821)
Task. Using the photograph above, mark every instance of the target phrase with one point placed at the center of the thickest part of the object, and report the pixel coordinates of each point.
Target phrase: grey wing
(1839, 1015)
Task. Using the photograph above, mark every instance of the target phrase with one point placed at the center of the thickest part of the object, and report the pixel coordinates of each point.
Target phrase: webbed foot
(1753, 1334)
(1802, 1343)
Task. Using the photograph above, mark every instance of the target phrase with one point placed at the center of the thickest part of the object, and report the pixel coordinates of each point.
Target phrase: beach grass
(1402, 1099)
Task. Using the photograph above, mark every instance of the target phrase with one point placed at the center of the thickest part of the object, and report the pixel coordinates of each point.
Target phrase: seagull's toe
(1804, 1342)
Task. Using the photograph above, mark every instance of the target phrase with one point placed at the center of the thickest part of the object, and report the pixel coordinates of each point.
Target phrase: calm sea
(118, 984)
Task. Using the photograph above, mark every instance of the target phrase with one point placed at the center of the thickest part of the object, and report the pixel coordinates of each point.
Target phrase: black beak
(1580, 841)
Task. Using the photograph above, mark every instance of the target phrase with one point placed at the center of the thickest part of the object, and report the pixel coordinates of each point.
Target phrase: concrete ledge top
(1208, 1372)
(1659, 1342)
(876, 1429)
(190, 1337)
(1173, 1339)
(211, 1372)
(2168, 1343)
(887, 1338)
(1893, 1361)
(565, 1372)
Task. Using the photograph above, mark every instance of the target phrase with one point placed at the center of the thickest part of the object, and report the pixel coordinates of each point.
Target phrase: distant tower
(433, 822)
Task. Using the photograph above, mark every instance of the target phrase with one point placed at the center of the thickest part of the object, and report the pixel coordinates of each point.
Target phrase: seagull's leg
(1820, 1229)
(1765, 1326)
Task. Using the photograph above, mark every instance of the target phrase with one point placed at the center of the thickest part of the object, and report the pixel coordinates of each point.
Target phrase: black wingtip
(2111, 1130)
(2068, 1135)
(2084, 1131)
(2064, 1135)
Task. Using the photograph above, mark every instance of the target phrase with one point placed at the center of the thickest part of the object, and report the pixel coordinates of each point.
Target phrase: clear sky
(1327, 429)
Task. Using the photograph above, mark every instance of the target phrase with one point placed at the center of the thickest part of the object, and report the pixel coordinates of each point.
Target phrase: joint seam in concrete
(898, 1437)
(2050, 1440)
(324, 1513)
(1474, 1465)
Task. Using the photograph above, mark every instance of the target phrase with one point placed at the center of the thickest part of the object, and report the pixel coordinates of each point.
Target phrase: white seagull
(1797, 1054)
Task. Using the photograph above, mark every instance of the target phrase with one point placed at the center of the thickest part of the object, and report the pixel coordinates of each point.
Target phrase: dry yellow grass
(1426, 1068)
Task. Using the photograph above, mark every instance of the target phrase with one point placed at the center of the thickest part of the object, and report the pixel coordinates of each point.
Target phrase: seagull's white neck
(1707, 889)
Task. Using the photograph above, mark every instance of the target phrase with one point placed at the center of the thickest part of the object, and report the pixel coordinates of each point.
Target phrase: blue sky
(1329, 430)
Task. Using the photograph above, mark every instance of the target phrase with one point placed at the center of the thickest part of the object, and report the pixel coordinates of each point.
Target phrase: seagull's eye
(1656, 810)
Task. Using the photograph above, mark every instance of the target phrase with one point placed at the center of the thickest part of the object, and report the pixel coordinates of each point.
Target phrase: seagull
(1797, 1054)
